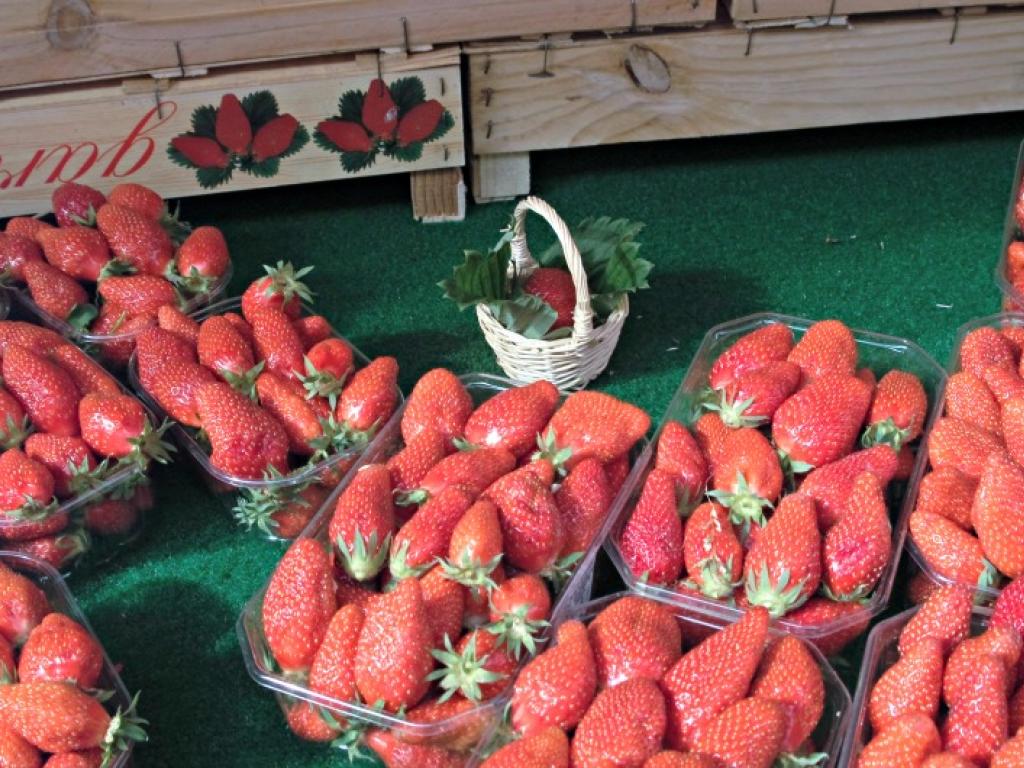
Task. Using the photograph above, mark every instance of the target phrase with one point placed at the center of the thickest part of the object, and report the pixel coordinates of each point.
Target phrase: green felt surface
(735, 226)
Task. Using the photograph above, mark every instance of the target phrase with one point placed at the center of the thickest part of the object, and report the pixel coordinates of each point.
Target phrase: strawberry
(26, 486)
(328, 364)
(370, 397)
(15, 252)
(985, 347)
(1010, 754)
(668, 758)
(617, 471)
(14, 424)
(947, 760)
(312, 329)
(710, 433)
(175, 386)
(137, 294)
(474, 470)
(920, 588)
(712, 552)
(118, 426)
(26, 226)
(363, 522)
(439, 402)
(292, 410)
(61, 650)
(476, 546)
(202, 259)
(857, 549)
(79, 252)
(281, 288)
(1015, 335)
(969, 398)
(1008, 610)
(748, 733)
(280, 513)
(312, 723)
(15, 752)
(135, 239)
(783, 567)
(247, 441)
(948, 492)
(977, 723)
(117, 351)
(678, 453)
(298, 605)
(155, 346)
(583, 500)
(445, 603)
(593, 424)
(57, 293)
(332, 672)
(410, 465)
(470, 723)
(747, 477)
(170, 318)
(852, 620)
(548, 748)
(623, 726)
(633, 638)
(139, 198)
(395, 753)
(950, 551)
(1012, 427)
(651, 542)
(74, 203)
(831, 485)
(946, 616)
(393, 657)
(753, 398)
(957, 443)
(555, 288)
(821, 422)
(520, 608)
(712, 677)
(428, 533)
(752, 351)
(479, 667)
(1000, 642)
(558, 686)
(277, 343)
(23, 606)
(30, 336)
(225, 351)
(1003, 383)
(998, 513)
(87, 374)
(111, 517)
(904, 744)
(532, 527)
(828, 347)
(514, 418)
(789, 675)
(912, 684)
(69, 460)
(898, 411)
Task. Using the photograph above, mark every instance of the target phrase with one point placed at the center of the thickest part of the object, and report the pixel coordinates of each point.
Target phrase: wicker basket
(570, 362)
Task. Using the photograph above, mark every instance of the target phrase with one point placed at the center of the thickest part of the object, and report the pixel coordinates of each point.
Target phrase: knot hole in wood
(70, 24)
(648, 71)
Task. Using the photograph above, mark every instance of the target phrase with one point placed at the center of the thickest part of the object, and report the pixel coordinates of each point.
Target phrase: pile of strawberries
(272, 390)
(620, 692)
(112, 261)
(431, 585)
(796, 518)
(953, 698)
(50, 701)
(66, 427)
(968, 524)
(1015, 254)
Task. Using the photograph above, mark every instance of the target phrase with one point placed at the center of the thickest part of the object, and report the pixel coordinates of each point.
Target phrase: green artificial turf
(893, 228)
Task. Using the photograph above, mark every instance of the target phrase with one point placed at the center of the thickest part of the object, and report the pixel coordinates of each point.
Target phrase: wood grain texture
(100, 135)
(43, 41)
(893, 69)
(500, 177)
(438, 195)
(762, 10)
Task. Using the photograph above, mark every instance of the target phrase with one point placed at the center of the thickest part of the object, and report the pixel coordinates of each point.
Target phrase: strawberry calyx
(791, 468)
(116, 268)
(733, 412)
(125, 727)
(89, 220)
(558, 572)
(857, 595)
(789, 760)
(244, 383)
(84, 478)
(884, 433)
(255, 507)
(351, 739)
(81, 316)
(75, 543)
(149, 445)
(547, 448)
(400, 568)
(336, 438)
(366, 557)
(714, 578)
(193, 283)
(411, 498)
(174, 226)
(287, 281)
(32, 511)
(744, 505)
(13, 434)
(462, 672)
(319, 383)
(470, 572)
(517, 632)
(990, 576)
(463, 445)
(777, 597)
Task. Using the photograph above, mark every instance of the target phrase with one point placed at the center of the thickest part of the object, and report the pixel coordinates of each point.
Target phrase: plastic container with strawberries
(75, 447)
(793, 404)
(1009, 273)
(968, 521)
(100, 273)
(472, 540)
(60, 665)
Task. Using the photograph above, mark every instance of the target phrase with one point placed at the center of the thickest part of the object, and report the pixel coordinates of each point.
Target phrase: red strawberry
(898, 411)
(154, 347)
(139, 198)
(410, 465)
(748, 733)
(1010, 754)
(379, 113)
(583, 500)
(948, 492)
(555, 288)
(753, 398)
(1004, 383)
(118, 426)
(111, 517)
(821, 422)
(998, 513)
(514, 418)
(712, 677)
(233, 130)
(57, 293)
(281, 288)
(225, 351)
(312, 723)
(920, 588)
(61, 650)
(479, 667)
(312, 329)
(947, 760)
(977, 724)
(857, 549)
(247, 441)
(520, 608)
(136, 294)
(668, 758)
(771, 343)
(370, 397)
(170, 318)
(277, 343)
(328, 364)
(617, 471)
(548, 748)
(332, 672)
(87, 374)
(712, 552)
(912, 684)
(849, 621)
(1012, 427)
(46, 392)
(1009, 607)
(26, 226)
(985, 347)
(292, 410)
(783, 567)
(69, 460)
(445, 604)
(949, 550)
(175, 386)
(593, 424)
(557, 687)
(363, 521)
(23, 606)
(14, 424)
(427, 535)
(393, 657)
(298, 605)
(633, 638)
(1015, 335)
(439, 402)
(747, 477)
(710, 433)
(30, 336)
(623, 726)
(135, 239)
(789, 675)
(202, 259)
(473, 470)
(651, 542)
(532, 527)
(79, 252)
(904, 744)
(15, 252)
(117, 351)
(969, 398)
(957, 443)
(395, 753)
(831, 485)
(679, 454)
(1000, 642)
(73, 203)
(828, 347)
(946, 616)
(476, 546)
(15, 752)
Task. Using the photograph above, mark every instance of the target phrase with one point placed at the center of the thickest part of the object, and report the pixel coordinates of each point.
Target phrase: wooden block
(500, 177)
(761, 10)
(722, 81)
(438, 195)
(57, 41)
(103, 134)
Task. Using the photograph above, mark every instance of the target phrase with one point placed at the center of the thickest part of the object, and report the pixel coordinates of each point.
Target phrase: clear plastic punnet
(1013, 297)
(877, 352)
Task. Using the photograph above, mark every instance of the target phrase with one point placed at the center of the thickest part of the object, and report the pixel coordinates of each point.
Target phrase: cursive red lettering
(30, 166)
(57, 174)
(138, 137)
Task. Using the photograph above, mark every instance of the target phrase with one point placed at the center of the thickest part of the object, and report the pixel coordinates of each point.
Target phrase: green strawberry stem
(14, 434)
(714, 578)
(517, 632)
(150, 445)
(733, 414)
(366, 557)
(789, 760)
(745, 507)
(32, 511)
(885, 433)
(558, 572)
(470, 572)
(319, 383)
(462, 673)
(548, 449)
(775, 597)
(81, 316)
(244, 383)
(400, 568)
(125, 727)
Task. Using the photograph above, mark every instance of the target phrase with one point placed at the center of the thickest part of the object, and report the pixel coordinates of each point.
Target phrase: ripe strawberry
(998, 513)
(747, 477)
(298, 605)
(14, 424)
(977, 724)
(225, 351)
(969, 398)
(30, 336)
(117, 351)
(950, 551)
(363, 521)
(947, 760)
(904, 744)
(57, 293)
(912, 684)
(668, 758)
(73, 203)
(821, 422)
(79, 252)
(593, 424)
(753, 398)
(532, 527)
(26, 226)
(712, 677)
(948, 492)
(292, 410)
(1000, 642)
(138, 198)
(202, 259)
(783, 567)
(623, 726)
(445, 604)
(583, 500)
(247, 441)
(281, 288)
(26, 486)
(15, 252)
(23, 606)
(617, 471)
(898, 411)
(548, 748)
(1009, 607)
(1010, 754)
(135, 239)
(857, 549)
(137, 294)
(679, 454)
(651, 541)
(1004, 383)
(985, 347)
(555, 288)
(1015, 335)
(87, 374)
(712, 552)
(312, 723)
(789, 675)
(312, 329)
(514, 418)
(118, 426)
(154, 347)
(1012, 427)
(558, 686)
(15, 752)
(752, 351)
(470, 723)
(520, 608)
(850, 620)
(111, 517)
(332, 672)
(956, 443)
(828, 347)
(175, 386)
(410, 465)
(393, 657)
(395, 753)
(633, 638)
(831, 485)
(428, 533)
(946, 616)
(710, 433)
(170, 318)
(277, 343)
(61, 650)
(439, 402)
(69, 460)
(476, 546)
(370, 397)
(328, 364)
(473, 470)
(479, 667)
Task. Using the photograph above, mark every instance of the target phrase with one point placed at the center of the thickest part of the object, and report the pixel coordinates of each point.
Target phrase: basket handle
(522, 260)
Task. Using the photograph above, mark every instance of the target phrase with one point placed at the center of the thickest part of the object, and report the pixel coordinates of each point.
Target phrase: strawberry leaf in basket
(610, 255)
(480, 278)
(525, 314)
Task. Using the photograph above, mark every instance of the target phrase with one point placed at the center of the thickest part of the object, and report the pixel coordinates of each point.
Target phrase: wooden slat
(895, 69)
(438, 196)
(761, 10)
(112, 133)
(44, 41)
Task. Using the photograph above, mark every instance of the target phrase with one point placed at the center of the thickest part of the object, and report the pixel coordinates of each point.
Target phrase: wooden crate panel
(101, 135)
(763, 10)
(721, 81)
(43, 41)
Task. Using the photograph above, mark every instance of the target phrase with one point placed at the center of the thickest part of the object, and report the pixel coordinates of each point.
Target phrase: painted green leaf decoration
(299, 140)
(407, 92)
(265, 169)
(350, 106)
(356, 161)
(213, 177)
(445, 124)
(261, 107)
(409, 154)
(179, 159)
(204, 120)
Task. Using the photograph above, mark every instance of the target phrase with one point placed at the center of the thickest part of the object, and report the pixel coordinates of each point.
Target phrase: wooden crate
(725, 80)
(56, 41)
(763, 10)
(105, 133)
